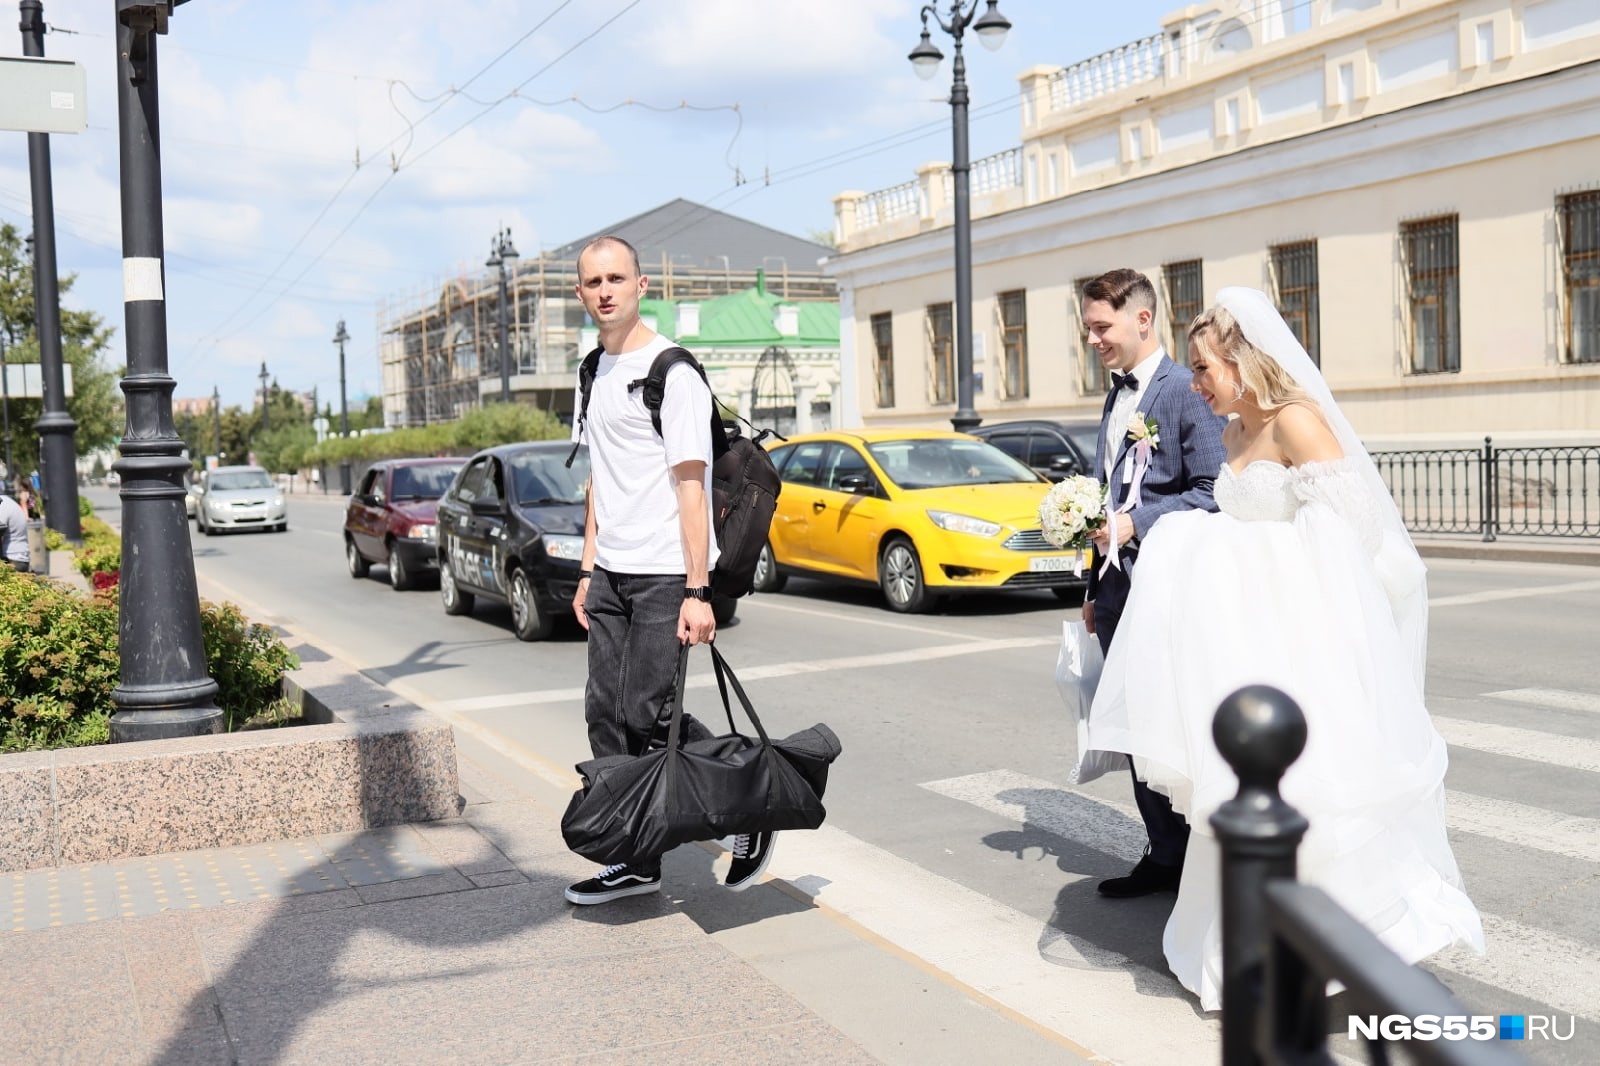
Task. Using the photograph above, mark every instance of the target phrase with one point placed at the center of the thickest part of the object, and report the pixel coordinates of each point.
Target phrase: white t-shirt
(635, 506)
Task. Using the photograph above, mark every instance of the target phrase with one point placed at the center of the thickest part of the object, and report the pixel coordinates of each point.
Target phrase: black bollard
(1260, 731)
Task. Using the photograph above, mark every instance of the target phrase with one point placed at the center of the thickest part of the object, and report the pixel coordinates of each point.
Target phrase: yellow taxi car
(919, 513)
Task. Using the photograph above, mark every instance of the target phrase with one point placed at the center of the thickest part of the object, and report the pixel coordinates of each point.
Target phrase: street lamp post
(57, 448)
(5, 407)
(991, 29)
(165, 691)
(266, 397)
(501, 254)
(216, 422)
(340, 338)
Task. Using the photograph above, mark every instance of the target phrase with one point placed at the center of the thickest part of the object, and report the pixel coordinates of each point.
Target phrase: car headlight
(423, 531)
(563, 546)
(961, 523)
(277, 501)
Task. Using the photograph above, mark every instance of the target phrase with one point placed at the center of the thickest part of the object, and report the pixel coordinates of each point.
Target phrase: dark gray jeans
(633, 661)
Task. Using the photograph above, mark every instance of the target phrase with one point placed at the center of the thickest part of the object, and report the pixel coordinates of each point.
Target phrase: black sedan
(1055, 449)
(511, 529)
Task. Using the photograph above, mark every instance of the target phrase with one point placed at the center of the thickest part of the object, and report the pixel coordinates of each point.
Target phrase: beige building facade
(1415, 182)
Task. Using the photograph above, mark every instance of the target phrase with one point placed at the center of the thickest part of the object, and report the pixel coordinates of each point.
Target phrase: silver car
(239, 497)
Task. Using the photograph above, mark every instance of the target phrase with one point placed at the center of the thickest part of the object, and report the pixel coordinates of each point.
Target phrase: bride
(1305, 580)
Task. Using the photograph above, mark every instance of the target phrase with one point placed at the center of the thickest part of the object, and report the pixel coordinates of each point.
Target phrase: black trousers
(1168, 832)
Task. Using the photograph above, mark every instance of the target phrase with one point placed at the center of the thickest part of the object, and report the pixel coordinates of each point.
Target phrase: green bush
(85, 508)
(59, 664)
(495, 423)
(102, 549)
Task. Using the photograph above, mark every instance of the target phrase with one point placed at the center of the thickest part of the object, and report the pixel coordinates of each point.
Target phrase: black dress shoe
(1148, 877)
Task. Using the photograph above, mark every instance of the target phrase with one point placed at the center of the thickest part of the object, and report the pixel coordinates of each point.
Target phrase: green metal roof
(746, 320)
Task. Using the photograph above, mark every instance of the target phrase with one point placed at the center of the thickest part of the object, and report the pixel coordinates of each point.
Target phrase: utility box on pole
(42, 95)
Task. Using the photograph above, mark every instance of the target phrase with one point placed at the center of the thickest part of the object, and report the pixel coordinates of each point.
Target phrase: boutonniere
(1142, 429)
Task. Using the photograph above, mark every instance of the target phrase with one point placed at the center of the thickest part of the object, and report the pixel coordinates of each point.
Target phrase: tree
(95, 403)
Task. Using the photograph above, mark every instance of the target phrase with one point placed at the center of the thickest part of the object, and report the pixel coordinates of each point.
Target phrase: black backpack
(744, 483)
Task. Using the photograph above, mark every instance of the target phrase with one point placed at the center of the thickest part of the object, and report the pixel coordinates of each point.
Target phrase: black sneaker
(614, 882)
(751, 854)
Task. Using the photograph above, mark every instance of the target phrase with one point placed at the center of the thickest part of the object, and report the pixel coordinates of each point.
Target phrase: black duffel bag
(640, 807)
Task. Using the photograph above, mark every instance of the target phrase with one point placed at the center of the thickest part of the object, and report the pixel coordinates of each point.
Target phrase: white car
(239, 497)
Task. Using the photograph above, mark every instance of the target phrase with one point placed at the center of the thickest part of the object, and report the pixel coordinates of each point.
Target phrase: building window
(1014, 343)
(883, 358)
(942, 354)
(1185, 300)
(1093, 378)
(1579, 216)
(1294, 270)
(1434, 286)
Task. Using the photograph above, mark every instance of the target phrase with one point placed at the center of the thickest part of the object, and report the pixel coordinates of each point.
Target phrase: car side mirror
(1066, 464)
(492, 507)
(860, 484)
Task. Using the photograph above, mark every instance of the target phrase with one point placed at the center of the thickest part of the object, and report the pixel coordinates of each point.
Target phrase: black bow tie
(1124, 381)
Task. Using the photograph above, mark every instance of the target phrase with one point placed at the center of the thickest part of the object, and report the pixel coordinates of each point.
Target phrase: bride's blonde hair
(1219, 336)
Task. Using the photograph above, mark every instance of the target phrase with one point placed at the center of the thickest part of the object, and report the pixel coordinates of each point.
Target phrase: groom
(1119, 312)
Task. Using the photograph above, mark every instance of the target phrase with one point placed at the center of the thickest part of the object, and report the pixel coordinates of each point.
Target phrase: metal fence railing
(1282, 941)
(1539, 491)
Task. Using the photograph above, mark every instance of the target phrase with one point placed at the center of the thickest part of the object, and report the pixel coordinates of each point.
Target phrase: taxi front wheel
(767, 577)
(900, 575)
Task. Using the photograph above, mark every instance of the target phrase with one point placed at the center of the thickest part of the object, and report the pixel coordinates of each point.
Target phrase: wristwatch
(703, 593)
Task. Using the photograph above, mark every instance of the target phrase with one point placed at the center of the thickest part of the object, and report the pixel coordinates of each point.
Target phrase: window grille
(1430, 248)
(883, 358)
(1579, 217)
(1185, 300)
(1014, 343)
(1093, 378)
(1294, 268)
(942, 356)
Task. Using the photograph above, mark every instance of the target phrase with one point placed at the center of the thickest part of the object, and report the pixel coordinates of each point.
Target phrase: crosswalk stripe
(1577, 753)
(904, 657)
(1494, 595)
(1534, 963)
(1123, 1012)
(1522, 959)
(1567, 835)
(1556, 698)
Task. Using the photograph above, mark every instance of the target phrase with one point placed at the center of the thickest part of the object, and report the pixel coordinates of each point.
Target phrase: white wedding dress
(1281, 588)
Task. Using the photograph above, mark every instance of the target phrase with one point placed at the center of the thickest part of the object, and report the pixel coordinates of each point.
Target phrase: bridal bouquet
(1071, 510)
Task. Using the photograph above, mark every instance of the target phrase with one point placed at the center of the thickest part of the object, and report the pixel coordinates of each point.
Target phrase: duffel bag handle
(725, 676)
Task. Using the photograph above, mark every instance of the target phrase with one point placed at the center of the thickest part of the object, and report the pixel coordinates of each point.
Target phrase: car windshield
(240, 479)
(422, 482)
(929, 464)
(544, 477)
(1086, 438)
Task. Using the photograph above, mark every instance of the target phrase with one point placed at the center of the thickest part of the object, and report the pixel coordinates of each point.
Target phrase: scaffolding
(439, 344)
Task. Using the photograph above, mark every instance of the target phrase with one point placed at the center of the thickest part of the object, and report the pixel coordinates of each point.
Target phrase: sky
(322, 156)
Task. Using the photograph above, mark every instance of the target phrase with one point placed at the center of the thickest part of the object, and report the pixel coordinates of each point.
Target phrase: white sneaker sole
(766, 860)
(587, 899)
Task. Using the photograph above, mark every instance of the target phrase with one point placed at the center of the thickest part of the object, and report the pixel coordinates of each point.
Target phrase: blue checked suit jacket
(1182, 468)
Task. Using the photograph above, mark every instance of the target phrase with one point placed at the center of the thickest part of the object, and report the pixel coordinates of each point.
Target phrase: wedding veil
(1399, 567)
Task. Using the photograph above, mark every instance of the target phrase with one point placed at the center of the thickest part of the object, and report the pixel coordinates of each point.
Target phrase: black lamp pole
(340, 338)
(57, 450)
(265, 397)
(5, 408)
(165, 691)
(501, 253)
(991, 29)
(216, 421)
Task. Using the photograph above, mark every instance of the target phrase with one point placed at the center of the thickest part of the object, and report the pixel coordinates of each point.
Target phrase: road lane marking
(1576, 753)
(1491, 595)
(1095, 997)
(1535, 963)
(1556, 698)
(1568, 835)
(1531, 962)
(770, 671)
(768, 603)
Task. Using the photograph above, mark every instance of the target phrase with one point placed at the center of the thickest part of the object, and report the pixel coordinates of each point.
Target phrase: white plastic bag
(1077, 676)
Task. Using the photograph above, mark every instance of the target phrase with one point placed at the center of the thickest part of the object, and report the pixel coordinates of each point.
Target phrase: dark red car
(390, 518)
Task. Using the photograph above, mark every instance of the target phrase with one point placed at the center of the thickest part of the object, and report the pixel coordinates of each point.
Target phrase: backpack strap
(586, 373)
(654, 385)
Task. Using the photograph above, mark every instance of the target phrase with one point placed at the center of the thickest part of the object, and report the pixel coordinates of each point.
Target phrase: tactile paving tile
(41, 899)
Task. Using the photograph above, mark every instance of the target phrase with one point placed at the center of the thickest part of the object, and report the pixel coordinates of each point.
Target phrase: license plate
(1050, 564)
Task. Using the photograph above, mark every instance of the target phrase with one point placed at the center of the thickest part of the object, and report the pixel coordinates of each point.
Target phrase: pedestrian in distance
(1305, 580)
(1150, 398)
(644, 590)
(14, 534)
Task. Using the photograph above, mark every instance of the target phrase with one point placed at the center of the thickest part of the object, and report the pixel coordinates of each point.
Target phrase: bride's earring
(1238, 390)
